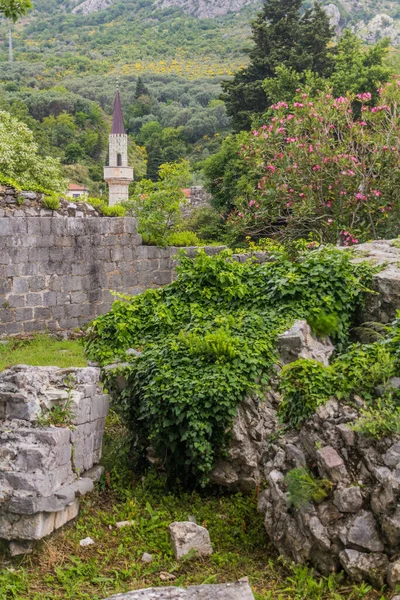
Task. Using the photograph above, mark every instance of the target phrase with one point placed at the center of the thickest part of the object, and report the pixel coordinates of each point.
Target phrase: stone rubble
(356, 527)
(44, 469)
(186, 536)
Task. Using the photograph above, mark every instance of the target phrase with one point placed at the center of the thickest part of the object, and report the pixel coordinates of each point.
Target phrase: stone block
(186, 537)
(227, 591)
(332, 463)
(363, 533)
(20, 285)
(348, 500)
(16, 300)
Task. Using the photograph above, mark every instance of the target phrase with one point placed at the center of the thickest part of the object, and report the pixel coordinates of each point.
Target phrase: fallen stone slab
(228, 591)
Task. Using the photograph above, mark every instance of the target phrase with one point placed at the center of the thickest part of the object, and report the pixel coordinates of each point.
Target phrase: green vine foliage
(363, 370)
(207, 340)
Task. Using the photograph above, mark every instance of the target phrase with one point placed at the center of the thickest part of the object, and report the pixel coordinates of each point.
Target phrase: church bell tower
(118, 174)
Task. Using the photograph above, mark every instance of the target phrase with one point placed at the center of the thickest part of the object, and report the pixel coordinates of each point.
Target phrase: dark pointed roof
(118, 120)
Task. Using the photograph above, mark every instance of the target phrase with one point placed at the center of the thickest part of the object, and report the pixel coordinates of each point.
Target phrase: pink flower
(256, 133)
(316, 168)
(271, 168)
(330, 221)
(377, 193)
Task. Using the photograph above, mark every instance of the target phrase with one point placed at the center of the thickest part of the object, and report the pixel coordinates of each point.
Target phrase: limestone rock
(348, 500)
(334, 16)
(242, 468)
(332, 463)
(206, 8)
(381, 26)
(360, 565)
(228, 591)
(90, 6)
(147, 558)
(364, 534)
(299, 342)
(20, 548)
(394, 574)
(186, 536)
(86, 542)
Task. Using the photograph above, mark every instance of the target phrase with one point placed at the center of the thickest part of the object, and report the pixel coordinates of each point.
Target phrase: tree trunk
(10, 46)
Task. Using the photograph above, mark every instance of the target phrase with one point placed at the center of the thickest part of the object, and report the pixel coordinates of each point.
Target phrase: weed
(303, 487)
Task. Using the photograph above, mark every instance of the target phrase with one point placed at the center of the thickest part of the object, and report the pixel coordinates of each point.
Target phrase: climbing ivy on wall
(208, 339)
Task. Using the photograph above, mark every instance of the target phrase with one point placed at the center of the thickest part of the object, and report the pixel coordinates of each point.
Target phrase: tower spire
(118, 120)
(118, 174)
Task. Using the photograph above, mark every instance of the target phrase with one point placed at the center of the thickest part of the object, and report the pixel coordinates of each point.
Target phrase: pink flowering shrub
(319, 171)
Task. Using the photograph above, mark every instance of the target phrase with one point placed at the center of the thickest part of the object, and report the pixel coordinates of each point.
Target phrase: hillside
(181, 50)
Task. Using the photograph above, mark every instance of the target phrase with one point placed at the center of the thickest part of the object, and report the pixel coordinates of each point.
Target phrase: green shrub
(207, 340)
(323, 324)
(304, 385)
(51, 202)
(118, 210)
(380, 419)
(183, 238)
(303, 487)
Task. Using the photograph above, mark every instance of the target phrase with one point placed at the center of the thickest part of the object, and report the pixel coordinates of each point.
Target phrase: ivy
(207, 340)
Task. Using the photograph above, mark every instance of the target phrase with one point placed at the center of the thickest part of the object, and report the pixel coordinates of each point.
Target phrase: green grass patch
(42, 350)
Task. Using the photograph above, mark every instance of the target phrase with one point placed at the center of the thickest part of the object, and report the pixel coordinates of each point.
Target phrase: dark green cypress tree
(282, 36)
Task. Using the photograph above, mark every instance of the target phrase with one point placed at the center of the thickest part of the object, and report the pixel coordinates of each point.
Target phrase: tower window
(119, 160)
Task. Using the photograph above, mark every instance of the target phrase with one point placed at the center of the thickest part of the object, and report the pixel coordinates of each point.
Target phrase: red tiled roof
(77, 188)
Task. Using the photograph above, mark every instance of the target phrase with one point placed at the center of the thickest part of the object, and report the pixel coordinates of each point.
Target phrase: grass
(60, 569)
(42, 350)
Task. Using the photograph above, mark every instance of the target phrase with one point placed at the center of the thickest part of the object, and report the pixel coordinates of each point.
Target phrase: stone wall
(57, 268)
(51, 429)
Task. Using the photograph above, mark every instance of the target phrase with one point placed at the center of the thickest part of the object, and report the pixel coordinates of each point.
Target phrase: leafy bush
(304, 384)
(183, 238)
(303, 487)
(207, 223)
(207, 340)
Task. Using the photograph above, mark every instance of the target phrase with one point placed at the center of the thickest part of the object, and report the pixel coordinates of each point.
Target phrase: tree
(20, 160)
(13, 10)
(157, 206)
(282, 36)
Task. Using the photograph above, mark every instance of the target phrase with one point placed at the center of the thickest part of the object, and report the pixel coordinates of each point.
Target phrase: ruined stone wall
(51, 429)
(58, 267)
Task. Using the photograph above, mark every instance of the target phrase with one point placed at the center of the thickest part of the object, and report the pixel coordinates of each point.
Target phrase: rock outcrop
(207, 8)
(382, 306)
(91, 6)
(51, 428)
